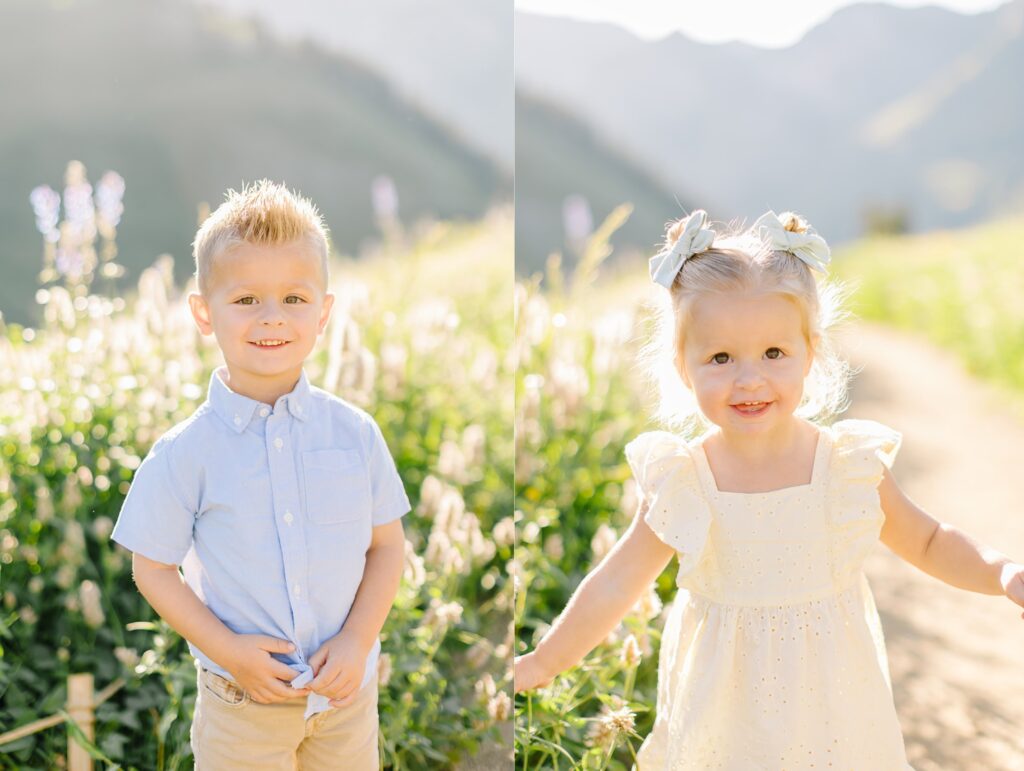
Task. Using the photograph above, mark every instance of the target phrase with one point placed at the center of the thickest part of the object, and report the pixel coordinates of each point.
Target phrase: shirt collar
(237, 410)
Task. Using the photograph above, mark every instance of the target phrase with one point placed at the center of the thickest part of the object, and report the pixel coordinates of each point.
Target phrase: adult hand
(266, 679)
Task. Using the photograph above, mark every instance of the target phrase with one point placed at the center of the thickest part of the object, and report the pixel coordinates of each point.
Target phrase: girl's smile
(745, 357)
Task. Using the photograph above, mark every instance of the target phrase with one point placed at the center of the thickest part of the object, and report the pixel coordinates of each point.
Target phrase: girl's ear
(812, 351)
(680, 363)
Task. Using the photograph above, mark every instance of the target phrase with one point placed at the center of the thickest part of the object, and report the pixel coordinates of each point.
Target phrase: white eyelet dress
(772, 656)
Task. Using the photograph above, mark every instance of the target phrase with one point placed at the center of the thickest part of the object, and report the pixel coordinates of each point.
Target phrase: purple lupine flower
(46, 204)
(385, 197)
(69, 262)
(109, 195)
(577, 220)
(79, 212)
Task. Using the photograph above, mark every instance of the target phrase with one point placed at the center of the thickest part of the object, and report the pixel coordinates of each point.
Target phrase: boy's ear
(201, 313)
(325, 312)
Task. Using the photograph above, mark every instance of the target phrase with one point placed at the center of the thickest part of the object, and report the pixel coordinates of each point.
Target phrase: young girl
(772, 656)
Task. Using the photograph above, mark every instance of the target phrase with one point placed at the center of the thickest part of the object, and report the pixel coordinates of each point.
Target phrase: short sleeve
(156, 519)
(677, 510)
(861, 450)
(386, 489)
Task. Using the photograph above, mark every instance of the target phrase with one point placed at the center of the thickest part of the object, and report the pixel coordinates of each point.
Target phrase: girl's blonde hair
(743, 261)
(264, 213)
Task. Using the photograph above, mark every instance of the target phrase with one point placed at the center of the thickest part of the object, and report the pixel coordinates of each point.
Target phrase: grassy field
(419, 337)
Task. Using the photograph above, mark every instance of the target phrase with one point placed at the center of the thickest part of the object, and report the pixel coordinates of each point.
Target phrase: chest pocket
(337, 486)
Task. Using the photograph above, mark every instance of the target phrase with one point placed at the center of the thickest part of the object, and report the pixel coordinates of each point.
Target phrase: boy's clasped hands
(338, 666)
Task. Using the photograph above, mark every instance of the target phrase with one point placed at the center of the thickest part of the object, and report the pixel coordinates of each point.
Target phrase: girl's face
(745, 357)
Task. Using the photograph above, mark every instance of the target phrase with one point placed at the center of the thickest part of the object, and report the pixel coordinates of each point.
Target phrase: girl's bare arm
(599, 603)
(941, 550)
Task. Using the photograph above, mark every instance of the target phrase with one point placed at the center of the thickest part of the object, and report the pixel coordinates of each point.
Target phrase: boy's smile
(266, 306)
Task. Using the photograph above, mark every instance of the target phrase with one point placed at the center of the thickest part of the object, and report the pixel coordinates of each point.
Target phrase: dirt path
(955, 656)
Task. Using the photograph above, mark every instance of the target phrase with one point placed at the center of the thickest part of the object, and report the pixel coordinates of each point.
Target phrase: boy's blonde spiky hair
(264, 213)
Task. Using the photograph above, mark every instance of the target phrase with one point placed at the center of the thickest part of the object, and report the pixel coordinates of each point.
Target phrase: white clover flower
(92, 608)
(606, 728)
(383, 669)
(554, 547)
(602, 542)
(499, 707)
(127, 656)
(504, 532)
(631, 651)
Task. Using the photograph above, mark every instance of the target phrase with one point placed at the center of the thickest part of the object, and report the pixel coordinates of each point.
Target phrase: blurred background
(897, 129)
(865, 117)
(124, 123)
(186, 99)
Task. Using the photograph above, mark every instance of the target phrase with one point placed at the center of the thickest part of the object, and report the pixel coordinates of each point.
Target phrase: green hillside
(961, 288)
(557, 156)
(184, 105)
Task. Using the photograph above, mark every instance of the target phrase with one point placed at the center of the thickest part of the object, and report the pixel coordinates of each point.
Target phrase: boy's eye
(720, 358)
(242, 300)
(773, 353)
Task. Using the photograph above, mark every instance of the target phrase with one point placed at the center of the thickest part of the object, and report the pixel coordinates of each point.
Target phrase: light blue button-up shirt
(269, 511)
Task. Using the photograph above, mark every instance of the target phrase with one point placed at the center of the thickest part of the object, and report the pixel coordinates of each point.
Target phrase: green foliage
(83, 398)
(578, 401)
(961, 289)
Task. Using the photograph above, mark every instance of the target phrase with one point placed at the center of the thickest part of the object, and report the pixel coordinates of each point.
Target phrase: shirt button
(238, 420)
(288, 517)
(279, 443)
(298, 590)
(264, 412)
(298, 408)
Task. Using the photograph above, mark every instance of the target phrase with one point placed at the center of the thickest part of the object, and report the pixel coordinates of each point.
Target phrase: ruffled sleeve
(861, 450)
(677, 510)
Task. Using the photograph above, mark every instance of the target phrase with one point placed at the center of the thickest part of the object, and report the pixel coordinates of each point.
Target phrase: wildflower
(102, 527)
(602, 542)
(499, 707)
(531, 532)
(430, 496)
(554, 547)
(606, 728)
(92, 609)
(27, 614)
(631, 651)
(127, 656)
(504, 532)
(649, 606)
(383, 669)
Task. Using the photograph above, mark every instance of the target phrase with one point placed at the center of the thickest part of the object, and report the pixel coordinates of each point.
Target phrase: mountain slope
(184, 107)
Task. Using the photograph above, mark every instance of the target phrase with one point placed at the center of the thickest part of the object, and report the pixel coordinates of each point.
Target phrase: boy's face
(266, 305)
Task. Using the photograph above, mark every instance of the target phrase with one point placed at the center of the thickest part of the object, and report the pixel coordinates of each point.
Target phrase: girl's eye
(295, 297)
(720, 358)
(773, 353)
(242, 300)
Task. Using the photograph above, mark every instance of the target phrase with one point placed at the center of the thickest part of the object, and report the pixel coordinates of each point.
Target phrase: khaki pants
(231, 731)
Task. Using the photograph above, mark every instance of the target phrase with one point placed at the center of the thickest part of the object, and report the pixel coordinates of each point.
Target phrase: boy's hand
(1011, 578)
(339, 665)
(265, 678)
(527, 673)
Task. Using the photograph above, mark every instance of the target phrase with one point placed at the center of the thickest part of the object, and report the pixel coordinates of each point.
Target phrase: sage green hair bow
(807, 247)
(695, 238)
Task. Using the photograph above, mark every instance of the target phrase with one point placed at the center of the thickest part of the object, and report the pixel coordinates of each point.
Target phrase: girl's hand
(527, 673)
(1011, 578)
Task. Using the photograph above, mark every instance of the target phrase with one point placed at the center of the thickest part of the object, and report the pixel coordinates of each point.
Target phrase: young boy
(282, 505)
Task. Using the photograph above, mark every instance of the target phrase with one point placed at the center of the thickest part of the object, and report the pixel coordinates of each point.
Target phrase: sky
(765, 23)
